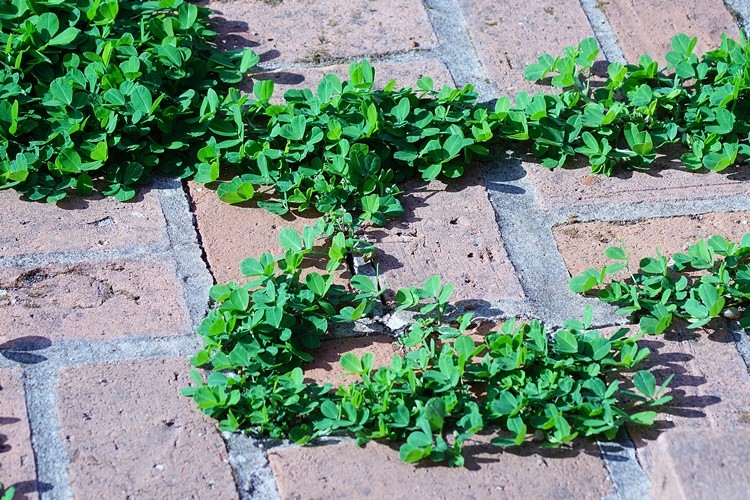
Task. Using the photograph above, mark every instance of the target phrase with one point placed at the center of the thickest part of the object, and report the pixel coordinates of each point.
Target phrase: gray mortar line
(82, 256)
(643, 210)
(741, 340)
(527, 235)
(75, 352)
(46, 438)
(531, 247)
(252, 473)
(183, 236)
(740, 9)
(603, 31)
(455, 47)
(631, 482)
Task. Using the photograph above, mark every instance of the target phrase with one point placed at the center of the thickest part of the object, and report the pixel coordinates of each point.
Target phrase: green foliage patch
(638, 110)
(448, 386)
(711, 280)
(101, 94)
(106, 92)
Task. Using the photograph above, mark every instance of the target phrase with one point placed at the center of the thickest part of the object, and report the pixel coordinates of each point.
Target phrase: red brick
(346, 471)
(448, 230)
(308, 30)
(102, 300)
(666, 181)
(712, 464)
(78, 224)
(231, 233)
(582, 245)
(16, 456)
(711, 387)
(405, 74)
(647, 26)
(326, 367)
(129, 433)
(512, 34)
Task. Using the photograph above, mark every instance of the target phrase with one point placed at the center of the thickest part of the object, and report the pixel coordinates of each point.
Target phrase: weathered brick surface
(129, 433)
(326, 367)
(510, 35)
(102, 300)
(694, 465)
(668, 181)
(711, 387)
(346, 471)
(312, 31)
(16, 456)
(230, 233)
(405, 74)
(647, 26)
(582, 245)
(448, 230)
(78, 224)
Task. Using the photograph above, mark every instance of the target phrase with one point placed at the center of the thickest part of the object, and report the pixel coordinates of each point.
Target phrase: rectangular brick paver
(448, 230)
(563, 187)
(327, 369)
(711, 387)
(512, 34)
(78, 224)
(16, 456)
(695, 466)
(313, 31)
(231, 233)
(101, 300)
(346, 471)
(647, 26)
(130, 434)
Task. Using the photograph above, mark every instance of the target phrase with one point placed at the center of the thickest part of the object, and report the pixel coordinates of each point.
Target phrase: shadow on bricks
(21, 350)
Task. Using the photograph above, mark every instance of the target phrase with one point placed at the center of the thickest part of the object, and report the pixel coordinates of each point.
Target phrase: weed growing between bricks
(711, 280)
(133, 105)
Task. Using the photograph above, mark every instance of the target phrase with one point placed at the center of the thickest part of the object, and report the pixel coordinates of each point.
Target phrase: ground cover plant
(445, 388)
(7, 493)
(711, 280)
(101, 94)
(105, 93)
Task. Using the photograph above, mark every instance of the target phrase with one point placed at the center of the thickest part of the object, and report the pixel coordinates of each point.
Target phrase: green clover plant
(711, 280)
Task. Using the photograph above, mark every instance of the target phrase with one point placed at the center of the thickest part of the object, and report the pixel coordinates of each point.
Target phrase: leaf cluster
(7, 493)
(105, 92)
(638, 110)
(711, 280)
(343, 148)
(447, 386)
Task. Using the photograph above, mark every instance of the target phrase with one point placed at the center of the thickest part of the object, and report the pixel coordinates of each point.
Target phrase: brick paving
(99, 299)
